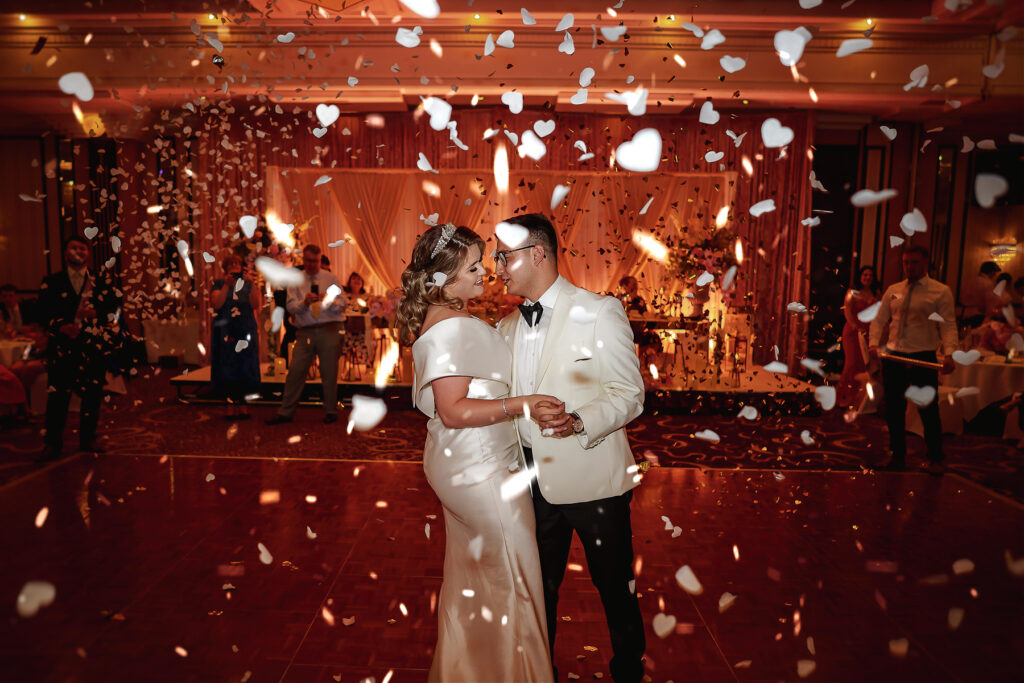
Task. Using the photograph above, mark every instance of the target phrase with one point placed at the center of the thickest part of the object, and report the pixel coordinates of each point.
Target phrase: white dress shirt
(331, 313)
(529, 345)
(909, 308)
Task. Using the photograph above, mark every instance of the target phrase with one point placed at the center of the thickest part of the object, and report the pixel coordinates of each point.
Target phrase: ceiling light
(870, 21)
(476, 16)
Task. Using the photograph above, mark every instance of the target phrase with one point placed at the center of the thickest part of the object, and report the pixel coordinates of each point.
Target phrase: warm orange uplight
(722, 218)
(501, 169)
(650, 244)
(387, 365)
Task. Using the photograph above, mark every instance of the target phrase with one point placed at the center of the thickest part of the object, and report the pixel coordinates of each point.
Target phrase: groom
(577, 345)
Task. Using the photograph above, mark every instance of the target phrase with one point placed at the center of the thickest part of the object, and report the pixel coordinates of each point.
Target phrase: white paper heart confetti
(790, 45)
(91, 232)
(732, 64)
(711, 39)
(76, 83)
(763, 206)
(424, 164)
(913, 222)
(544, 128)
(725, 601)
(425, 8)
(528, 19)
(506, 39)
(920, 396)
(708, 115)
(565, 23)
(613, 33)
(705, 279)
(408, 38)
(367, 412)
(580, 97)
(265, 556)
(35, 595)
(777, 367)
(438, 279)
(988, 187)
(806, 437)
(322, 180)
(248, 225)
(440, 112)
(513, 100)
(707, 435)
(748, 413)
(853, 45)
(966, 357)
(558, 194)
(510, 234)
(888, 132)
(774, 134)
(868, 314)
(664, 625)
(687, 580)
(532, 146)
(278, 274)
(825, 396)
(895, 241)
(567, 46)
(327, 114)
(642, 154)
(863, 198)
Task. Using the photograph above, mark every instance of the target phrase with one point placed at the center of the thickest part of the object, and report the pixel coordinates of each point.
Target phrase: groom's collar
(550, 296)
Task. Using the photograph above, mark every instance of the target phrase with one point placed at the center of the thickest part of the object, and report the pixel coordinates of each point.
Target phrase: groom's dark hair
(541, 232)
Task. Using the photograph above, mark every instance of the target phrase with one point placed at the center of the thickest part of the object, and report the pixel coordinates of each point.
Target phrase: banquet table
(12, 350)
(993, 376)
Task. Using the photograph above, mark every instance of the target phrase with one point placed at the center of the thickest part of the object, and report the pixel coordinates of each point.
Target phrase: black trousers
(896, 377)
(605, 532)
(57, 411)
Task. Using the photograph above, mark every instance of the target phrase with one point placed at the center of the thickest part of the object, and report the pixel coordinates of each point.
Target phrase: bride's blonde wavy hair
(418, 288)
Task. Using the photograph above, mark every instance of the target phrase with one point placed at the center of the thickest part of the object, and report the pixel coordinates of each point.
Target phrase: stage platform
(690, 393)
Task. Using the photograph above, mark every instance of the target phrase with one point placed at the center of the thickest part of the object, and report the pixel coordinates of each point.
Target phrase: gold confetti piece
(805, 667)
(590, 648)
(899, 647)
(269, 497)
(348, 621)
(180, 651)
(328, 617)
(573, 677)
(954, 618)
(41, 517)
(745, 664)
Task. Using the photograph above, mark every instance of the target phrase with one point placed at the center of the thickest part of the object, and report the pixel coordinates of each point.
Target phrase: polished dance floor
(199, 568)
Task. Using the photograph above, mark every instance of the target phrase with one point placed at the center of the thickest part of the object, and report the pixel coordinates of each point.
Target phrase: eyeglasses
(502, 256)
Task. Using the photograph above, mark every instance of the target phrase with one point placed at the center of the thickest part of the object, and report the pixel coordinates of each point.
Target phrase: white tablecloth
(12, 350)
(995, 378)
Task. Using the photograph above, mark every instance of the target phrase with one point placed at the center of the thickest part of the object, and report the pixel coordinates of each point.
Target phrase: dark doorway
(832, 248)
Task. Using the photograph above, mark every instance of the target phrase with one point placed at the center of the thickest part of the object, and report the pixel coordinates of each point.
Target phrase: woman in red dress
(863, 293)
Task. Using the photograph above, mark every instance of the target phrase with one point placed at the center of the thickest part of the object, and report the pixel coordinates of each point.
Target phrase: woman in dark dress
(235, 343)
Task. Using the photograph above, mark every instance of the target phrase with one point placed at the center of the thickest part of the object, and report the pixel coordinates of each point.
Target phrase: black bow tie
(531, 313)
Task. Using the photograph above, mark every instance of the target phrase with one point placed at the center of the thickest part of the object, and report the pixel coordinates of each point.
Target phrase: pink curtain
(232, 160)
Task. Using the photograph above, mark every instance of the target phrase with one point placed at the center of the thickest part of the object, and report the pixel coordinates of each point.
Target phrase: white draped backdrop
(379, 211)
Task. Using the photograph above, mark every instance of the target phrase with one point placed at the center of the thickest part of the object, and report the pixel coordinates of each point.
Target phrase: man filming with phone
(318, 307)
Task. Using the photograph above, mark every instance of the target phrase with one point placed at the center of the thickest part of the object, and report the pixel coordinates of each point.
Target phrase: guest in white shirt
(922, 320)
(978, 298)
(317, 306)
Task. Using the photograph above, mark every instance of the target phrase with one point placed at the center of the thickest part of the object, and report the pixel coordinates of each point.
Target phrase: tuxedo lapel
(558, 319)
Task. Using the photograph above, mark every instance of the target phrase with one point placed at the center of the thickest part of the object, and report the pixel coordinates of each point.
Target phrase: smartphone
(314, 288)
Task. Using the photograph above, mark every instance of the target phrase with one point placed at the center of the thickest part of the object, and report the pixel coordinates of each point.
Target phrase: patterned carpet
(150, 422)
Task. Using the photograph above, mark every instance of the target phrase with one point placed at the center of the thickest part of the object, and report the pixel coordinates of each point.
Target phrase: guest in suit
(978, 298)
(81, 311)
(234, 371)
(576, 345)
(922, 321)
(863, 292)
(318, 336)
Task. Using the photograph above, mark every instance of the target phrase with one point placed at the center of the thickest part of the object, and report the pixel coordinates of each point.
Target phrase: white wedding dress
(490, 614)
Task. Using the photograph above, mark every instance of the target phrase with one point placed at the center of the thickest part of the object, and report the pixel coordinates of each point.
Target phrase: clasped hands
(550, 413)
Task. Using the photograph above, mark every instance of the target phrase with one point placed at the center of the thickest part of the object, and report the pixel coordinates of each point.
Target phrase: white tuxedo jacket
(589, 362)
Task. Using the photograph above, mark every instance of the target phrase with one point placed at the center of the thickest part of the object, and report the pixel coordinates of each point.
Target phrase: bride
(491, 623)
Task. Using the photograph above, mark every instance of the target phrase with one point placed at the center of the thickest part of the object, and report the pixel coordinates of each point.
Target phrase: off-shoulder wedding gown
(491, 623)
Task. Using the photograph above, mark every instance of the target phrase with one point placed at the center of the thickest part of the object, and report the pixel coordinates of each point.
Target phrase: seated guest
(978, 298)
(354, 288)
(1018, 298)
(863, 292)
(997, 332)
(234, 371)
(11, 320)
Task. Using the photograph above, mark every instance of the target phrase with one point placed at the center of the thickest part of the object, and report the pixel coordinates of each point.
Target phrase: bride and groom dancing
(549, 393)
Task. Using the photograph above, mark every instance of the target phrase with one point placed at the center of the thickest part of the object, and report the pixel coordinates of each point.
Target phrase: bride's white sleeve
(457, 347)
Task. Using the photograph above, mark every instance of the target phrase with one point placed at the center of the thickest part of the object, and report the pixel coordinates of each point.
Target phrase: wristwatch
(577, 423)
